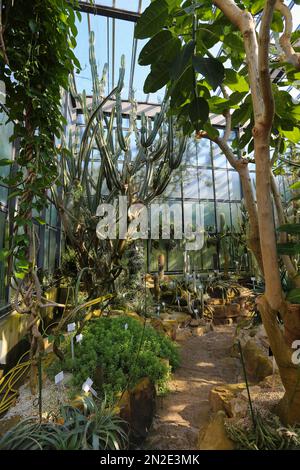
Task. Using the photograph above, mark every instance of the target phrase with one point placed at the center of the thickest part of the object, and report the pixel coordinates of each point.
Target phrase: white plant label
(79, 338)
(253, 279)
(71, 327)
(126, 326)
(59, 378)
(87, 387)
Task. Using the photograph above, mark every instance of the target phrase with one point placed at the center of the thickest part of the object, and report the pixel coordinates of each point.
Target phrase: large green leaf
(295, 185)
(198, 112)
(235, 81)
(183, 88)
(242, 114)
(288, 248)
(234, 41)
(157, 78)
(152, 20)
(277, 22)
(292, 135)
(293, 296)
(180, 64)
(212, 131)
(162, 46)
(257, 6)
(218, 105)
(289, 228)
(212, 69)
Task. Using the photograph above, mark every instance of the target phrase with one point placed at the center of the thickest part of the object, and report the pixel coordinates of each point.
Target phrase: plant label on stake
(126, 326)
(59, 378)
(87, 387)
(79, 338)
(71, 327)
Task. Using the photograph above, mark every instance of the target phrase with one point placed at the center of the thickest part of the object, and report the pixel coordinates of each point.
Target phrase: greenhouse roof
(113, 22)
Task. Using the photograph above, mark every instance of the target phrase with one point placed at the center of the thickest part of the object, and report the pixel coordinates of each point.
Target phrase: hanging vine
(37, 39)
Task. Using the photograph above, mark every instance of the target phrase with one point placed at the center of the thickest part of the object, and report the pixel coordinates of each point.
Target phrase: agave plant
(86, 182)
(97, 427)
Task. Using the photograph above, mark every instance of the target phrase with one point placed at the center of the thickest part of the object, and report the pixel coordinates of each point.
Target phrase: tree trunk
(273, 290)
(272, 302)
(288, 408)
(253, 239)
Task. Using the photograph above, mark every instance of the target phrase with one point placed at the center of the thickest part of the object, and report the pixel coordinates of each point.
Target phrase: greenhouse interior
(149, 226)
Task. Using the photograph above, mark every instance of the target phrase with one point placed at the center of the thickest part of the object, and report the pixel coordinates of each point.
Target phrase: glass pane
(195, 260)
(175, 257)
(52, 250)
(234, 185)
(53, 216)
(219, 159)
(223, 208)
(253, 182)
(174, 187)
(204, 152)
(209, 257)
(221, 184)
(236, 216)
(190, 155)
(5, 152)
(209, 216)
(206, 184)
(126, 5)
(190, 183)
(157, 248)
(2, 265)
(46, 249)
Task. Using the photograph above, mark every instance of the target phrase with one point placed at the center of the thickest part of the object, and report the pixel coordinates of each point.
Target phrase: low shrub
(116, 352)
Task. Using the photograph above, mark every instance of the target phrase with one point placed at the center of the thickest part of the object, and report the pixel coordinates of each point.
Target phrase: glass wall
(5, 153)
(49, 233)
(205, 178)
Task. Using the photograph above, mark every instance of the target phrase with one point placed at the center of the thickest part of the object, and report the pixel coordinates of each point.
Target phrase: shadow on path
(205, 363)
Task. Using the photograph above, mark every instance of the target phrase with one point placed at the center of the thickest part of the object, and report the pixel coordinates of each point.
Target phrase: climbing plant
(37, 39)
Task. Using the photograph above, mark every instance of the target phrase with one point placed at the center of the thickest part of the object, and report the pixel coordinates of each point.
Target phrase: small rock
(239, 407)
(183, 333)
(254, 391)
(220, 398)
(214, 436)
(258, 364)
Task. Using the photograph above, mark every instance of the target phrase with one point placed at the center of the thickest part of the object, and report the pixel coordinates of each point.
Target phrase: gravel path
(205, 363)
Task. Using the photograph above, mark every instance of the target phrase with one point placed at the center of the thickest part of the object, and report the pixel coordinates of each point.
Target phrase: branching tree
(250, 51)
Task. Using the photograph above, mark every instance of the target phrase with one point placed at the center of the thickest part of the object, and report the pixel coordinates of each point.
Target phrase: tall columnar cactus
(224, 242)
(141, 177)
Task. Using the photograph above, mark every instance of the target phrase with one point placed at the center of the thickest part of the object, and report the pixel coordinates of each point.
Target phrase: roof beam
(110, 12)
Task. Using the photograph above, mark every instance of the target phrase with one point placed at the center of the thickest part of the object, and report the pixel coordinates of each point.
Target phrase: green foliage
(96, 428)
(212, 69)
(193, 72)
(122, 355)
(39, 39)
